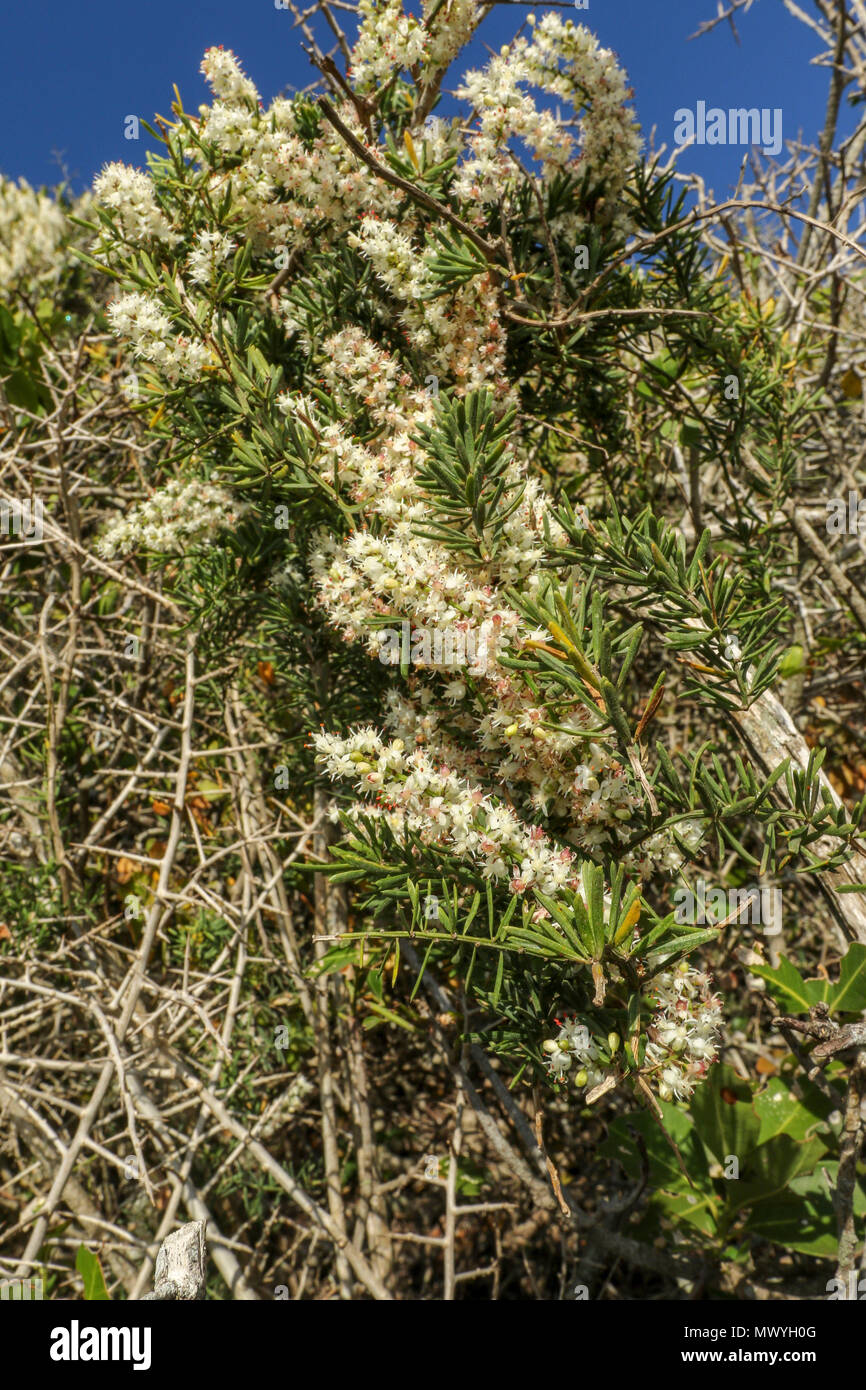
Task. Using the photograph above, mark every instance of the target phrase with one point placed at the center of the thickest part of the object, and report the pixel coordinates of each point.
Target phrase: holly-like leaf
(849, 995)
(787, 985)
(780, 1111)
(804, 1219)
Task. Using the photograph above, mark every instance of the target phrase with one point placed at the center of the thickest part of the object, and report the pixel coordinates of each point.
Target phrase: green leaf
(780, 1111)
(593, 887)
(798, 995)
(386, 1016)
(678, 945)
(788, 986)
(10, 336)
(726, 1127)
(694, 1208)
(849, 995)
(21, 390)
(90, 1269)
(772, 1166)
(335, 959)
(804, 1219)
(792, 662)
(664, 1171)
(808, 1226)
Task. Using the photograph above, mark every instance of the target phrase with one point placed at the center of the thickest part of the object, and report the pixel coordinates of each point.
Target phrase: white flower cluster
(660, 851)
(210, 250)
(574, 1045)
(683, 1038)
(288, 191)
(32, 226)
(224, 76)
(449, 27)
(388, 39)
(564, 60)
(387, 568)
(139, 318)
(130, 193)
(174, 518)
(430, 799)
(684, 1032)
(460, 333)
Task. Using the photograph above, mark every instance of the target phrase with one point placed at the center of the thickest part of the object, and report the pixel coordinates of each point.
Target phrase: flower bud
(581, 1079)
(613, 1041)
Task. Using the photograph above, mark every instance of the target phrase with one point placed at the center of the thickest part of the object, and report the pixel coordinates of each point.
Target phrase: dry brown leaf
(126, 869)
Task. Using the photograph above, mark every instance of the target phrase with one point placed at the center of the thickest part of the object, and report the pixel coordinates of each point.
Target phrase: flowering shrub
(414, 374)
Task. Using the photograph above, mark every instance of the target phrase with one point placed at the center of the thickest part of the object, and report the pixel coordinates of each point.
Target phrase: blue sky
(71, 72)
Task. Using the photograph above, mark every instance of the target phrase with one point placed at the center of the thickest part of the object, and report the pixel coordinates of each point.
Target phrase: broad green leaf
(788, 986)
(780, 1111)
(849, 995)
(797, 994)
(21, 390)
(793, 662)
(805, 1219)
(693, 1208)
(806, 1225)
(10, 336)
(769, 1169)
(727, 1126)
(664, 1169)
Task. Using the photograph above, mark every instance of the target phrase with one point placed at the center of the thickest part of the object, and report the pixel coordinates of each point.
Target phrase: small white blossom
(174, 518)
(130, 194)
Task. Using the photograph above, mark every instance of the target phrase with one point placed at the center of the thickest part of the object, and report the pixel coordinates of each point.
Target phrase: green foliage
(797, 995)
(90, 1269)
(753, 1165)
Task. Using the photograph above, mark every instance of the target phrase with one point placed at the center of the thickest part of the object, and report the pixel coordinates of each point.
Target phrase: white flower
(32, 226)
(387, 39)
(208, 253)
(573, 1044)
(130, 193)
(683, 1031)
(174, 518)
(223, 74)
(140, 318)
